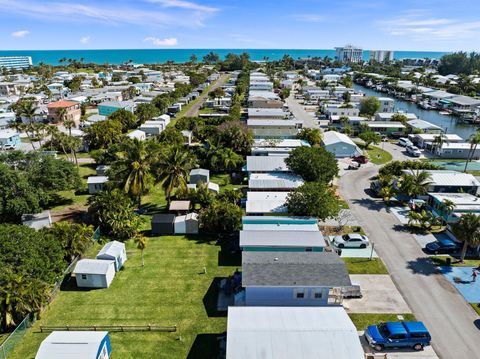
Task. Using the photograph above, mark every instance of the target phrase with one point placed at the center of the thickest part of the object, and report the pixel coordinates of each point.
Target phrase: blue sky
(430, 25)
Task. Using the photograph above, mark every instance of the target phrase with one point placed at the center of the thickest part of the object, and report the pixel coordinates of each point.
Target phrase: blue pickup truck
(398, 334)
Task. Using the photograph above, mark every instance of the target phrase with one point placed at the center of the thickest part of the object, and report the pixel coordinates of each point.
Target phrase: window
(300, 293)
(317, 294)
(397, 336)
(308, 249)
(84, 276)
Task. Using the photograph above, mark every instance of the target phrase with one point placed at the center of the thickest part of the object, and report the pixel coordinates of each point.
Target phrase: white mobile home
(340, 144)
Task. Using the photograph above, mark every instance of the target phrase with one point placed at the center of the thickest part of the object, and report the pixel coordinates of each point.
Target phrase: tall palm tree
(134, 168)
(448, 207)
(141, 243)
(172, 168)
(439, 140)
(416, 183)
(69, 124)
(62, 112)
(474, 141)
(467, 230)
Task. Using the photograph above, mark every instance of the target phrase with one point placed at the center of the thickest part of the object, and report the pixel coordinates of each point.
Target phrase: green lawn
(442, 261)
(365, 266)
(223, 180)
(378, 156)
(170, 290)
(476, 307)
(363, 320)
(76, 198)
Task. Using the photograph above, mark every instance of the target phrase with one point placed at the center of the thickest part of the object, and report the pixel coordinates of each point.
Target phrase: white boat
(446, 113)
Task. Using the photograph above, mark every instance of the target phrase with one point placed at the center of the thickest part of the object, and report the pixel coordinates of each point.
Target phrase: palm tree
(62, 112)
(416, 183)
(387, 192)
(134, 168)
(474, 141)
(69, 124)
(413, 218)
(467, 230)
(439, 140)
(172, 168)
(448, 207)
(141, 243)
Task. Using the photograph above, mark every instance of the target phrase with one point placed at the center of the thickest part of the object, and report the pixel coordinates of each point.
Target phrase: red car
(361, 159)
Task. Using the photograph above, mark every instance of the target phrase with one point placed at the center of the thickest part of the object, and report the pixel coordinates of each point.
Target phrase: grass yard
(442, 261)
(476, 307)
(363, 320)
(223, 180)
(365, 266)
(170, 290)
(378, 156)
(76, 198)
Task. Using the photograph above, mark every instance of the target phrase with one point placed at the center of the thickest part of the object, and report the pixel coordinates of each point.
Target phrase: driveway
(298, 110)
(193, 111)
(398, 152)
(454, 325)
(379, 296)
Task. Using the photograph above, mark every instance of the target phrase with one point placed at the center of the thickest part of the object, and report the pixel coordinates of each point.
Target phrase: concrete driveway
(379, 296)
(454, 325)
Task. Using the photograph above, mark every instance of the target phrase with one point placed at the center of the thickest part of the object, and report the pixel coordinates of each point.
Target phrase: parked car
(353, 165)
(404, 142)
(398, 334)
(442, 246)
(8, 147)
(361, 159)
(351, 240)
(414, 151)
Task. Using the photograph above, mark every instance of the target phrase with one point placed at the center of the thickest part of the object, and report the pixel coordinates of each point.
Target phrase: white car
(414, 151)
(404, 142)
(351, 240)
(8, 146)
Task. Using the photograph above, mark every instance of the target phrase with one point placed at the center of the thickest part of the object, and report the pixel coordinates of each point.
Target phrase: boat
(446, 113)
(425, 105)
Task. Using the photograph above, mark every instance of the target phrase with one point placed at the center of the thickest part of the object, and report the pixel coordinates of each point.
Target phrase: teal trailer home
(282, 241)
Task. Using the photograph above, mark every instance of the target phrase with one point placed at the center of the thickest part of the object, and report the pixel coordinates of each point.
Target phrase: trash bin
(339, 252)
(449, 261)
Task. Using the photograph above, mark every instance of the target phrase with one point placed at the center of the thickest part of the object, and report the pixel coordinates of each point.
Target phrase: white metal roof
(424, 125)
(430, 137)
(112, 249)
(277, 180)
(71, 345)
(450, 178)
(276, 123)
(333, 137)
(253, 238)
(280, 227)
(291, 332)
(266, 202)
(97, 179)
(266, 164)
(92, 266)
(288, 142)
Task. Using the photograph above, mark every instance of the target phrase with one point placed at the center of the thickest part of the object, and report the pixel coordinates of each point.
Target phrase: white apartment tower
(381, 56)
(349, 53)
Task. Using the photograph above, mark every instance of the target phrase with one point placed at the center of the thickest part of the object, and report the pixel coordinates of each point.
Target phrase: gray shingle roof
(291, 269)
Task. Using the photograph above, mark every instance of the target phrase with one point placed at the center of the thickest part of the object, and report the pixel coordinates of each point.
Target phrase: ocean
(149, 56)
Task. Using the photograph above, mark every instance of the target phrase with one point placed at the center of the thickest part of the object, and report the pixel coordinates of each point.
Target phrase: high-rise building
(15, 62)
(349, 53)
(381, 55)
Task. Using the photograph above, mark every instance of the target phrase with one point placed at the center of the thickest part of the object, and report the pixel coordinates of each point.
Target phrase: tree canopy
(369, 106)
(313, 199)
(313, 164)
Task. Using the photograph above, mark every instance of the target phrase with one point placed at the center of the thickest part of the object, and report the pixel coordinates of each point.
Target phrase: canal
(448, 123)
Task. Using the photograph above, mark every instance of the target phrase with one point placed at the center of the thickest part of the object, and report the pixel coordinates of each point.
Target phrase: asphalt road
(299, 112)
(454, 325)
(192, 112)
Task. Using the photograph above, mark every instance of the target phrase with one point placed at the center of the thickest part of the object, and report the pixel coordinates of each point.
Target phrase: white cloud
(171, 41)
(418, 27)
(20, 33)
(85, 39)
(184, 5)
(309, 18)
(119, 13)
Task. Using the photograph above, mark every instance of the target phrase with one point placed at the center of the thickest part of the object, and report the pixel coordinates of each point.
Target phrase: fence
(111, 328)
(9, 344)
(12, 340)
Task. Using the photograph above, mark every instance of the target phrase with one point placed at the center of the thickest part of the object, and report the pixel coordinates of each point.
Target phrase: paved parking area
(424, 239)
(426, 353)
(356, 252)
(379, 296)
(400, 213)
